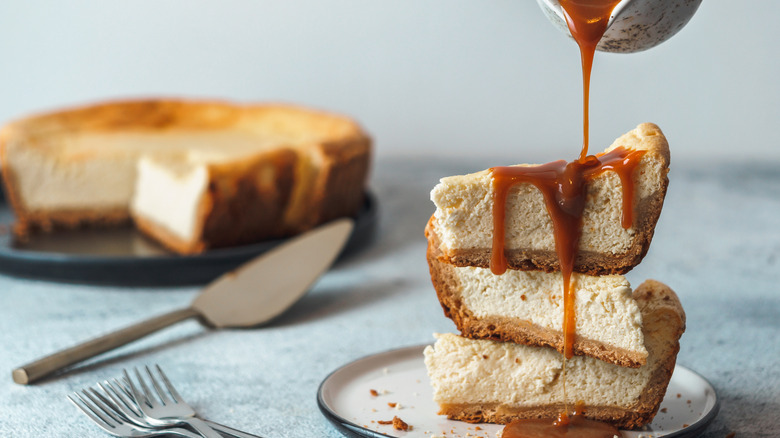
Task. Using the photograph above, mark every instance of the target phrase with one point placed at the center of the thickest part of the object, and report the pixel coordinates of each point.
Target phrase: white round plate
(399, 377)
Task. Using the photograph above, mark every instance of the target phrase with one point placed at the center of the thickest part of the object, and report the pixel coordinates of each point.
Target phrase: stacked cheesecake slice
(504, 365)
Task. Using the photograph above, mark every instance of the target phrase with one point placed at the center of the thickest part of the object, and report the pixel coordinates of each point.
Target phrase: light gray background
(425, 77)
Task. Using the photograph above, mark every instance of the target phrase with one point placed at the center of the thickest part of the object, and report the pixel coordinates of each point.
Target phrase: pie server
(253, 294)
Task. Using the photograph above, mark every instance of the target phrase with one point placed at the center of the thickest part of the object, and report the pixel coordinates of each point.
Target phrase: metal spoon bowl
(635, 25)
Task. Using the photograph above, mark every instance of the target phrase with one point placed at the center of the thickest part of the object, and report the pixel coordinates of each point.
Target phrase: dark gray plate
(123, 257)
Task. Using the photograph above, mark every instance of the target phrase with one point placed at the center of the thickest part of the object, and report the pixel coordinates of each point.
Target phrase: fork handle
(43, 367)
(229, 432)
(201, 427)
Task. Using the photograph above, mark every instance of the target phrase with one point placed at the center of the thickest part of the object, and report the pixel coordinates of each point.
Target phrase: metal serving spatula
(255, 293)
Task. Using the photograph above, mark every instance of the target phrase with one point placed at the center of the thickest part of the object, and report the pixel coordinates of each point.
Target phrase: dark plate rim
(217, 253)
(159, 270)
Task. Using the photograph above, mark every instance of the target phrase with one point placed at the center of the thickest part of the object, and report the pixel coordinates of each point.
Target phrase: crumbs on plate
(398, 424)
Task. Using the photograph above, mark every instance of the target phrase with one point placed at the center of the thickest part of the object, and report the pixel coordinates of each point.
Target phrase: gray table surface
(717, 244)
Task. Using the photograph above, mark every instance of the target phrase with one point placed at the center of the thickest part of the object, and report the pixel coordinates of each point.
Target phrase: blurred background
(425, 77)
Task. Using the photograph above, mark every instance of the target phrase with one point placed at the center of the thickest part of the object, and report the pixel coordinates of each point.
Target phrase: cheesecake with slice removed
(191, 174)
(480, 380)
(464, 216)
(526, 307)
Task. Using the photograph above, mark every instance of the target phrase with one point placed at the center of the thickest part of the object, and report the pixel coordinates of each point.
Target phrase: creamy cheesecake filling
(606, 311)
(170, 199)
(468, 371)
(102, 183)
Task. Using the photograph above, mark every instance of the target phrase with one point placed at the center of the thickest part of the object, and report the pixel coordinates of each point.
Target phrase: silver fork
(161, 410)
(122, 399)
(114, 423)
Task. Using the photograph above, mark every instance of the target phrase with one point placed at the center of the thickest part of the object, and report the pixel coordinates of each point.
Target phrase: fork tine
(134, 393)
(150, 400)
(120, 402)
(86, 411)
(163, 397)
(99, 401)
(125, 388)
(90, 411)
(177, 398)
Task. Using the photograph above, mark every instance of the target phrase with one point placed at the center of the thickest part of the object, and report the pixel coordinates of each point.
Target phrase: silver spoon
(255, 293)
(634, 25)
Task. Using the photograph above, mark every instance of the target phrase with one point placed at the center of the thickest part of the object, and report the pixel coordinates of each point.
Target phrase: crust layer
(664, 323)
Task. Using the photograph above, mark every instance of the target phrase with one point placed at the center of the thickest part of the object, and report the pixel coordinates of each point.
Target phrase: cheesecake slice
(464, 216)
(489, 381)
(526, 307)
(191, 174)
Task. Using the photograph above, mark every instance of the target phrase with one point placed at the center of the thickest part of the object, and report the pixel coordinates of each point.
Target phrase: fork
(123, 402)
(115, 424)
(162, 410)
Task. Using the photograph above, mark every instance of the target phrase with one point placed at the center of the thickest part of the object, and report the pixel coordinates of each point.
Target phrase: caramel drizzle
(563, 187)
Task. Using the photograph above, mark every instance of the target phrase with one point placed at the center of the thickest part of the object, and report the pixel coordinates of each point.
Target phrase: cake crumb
(477, 428)
(385, 371)
(688, 401)
(522, 297)
(663, 410)
(484, 356)
(685, 425)
(373, 392)
(679, 395)
(398, 424)
(392, 405)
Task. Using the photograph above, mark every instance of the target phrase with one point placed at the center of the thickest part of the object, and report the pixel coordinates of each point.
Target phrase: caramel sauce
(577, 426)
(563, 187)
(587, 21)
(565, 426)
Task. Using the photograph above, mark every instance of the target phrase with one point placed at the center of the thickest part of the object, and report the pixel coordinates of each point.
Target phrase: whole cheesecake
(192, 175)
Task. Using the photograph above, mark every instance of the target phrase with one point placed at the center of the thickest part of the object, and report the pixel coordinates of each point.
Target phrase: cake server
(253, 294)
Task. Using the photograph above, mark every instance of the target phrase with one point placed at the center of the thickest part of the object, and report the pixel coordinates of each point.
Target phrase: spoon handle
(43, 367)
